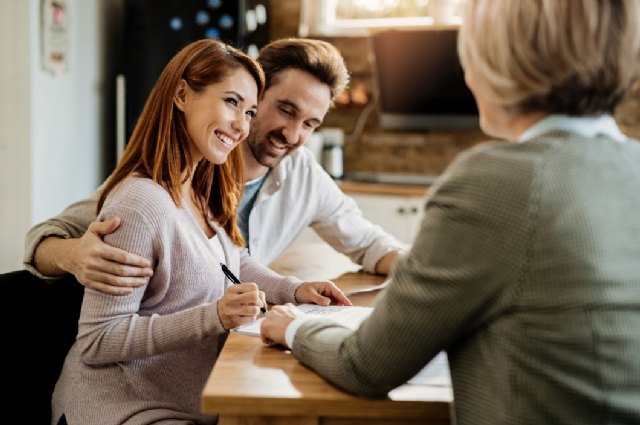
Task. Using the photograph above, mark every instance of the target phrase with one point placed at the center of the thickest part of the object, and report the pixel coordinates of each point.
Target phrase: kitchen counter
(375, 188)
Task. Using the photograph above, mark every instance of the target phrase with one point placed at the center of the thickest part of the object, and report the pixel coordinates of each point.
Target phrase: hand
(102, 267)
(240, 304)
(274, 324)
(322, 293)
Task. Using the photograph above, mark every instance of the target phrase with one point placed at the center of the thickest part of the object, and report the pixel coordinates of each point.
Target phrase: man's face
(293, 106)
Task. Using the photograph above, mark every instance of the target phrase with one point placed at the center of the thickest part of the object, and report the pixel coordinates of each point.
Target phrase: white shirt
(297, 194)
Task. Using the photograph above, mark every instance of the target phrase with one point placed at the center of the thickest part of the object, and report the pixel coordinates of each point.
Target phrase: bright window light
(357, 17)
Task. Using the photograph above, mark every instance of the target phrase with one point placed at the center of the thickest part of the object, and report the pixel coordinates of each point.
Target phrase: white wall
(15, 149)
(65, 143)
(52, 142)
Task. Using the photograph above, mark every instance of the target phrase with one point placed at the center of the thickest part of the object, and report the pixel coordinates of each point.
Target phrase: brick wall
(425, 152)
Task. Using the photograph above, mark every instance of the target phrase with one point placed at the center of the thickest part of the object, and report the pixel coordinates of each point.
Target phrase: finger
(263, 298)
(117, 270)
(249, 311)
(320, 299)
(339, 297)
(121, 256)
(115, 280)
(267, 341)
(105, 227)
(121, 270)
(109, 289)
(234, 308)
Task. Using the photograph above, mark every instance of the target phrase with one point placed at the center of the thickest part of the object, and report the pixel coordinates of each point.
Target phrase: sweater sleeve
(70, 223)
(112, 328)
(277, 289)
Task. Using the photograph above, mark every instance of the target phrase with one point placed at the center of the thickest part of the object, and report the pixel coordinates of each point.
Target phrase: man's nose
(292, 133)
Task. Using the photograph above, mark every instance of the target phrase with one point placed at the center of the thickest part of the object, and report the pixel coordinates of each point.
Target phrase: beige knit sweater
(145, 357)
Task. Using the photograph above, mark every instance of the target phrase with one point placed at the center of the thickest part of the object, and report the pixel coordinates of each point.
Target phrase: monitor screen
(420, 81)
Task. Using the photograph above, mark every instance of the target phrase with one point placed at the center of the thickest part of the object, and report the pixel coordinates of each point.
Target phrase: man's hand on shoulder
(98, 265)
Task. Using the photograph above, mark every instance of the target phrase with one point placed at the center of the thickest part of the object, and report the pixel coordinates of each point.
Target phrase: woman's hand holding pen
(240, 304)
(321, 292)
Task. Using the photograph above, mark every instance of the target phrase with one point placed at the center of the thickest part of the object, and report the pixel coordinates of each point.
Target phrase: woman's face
(218, 117)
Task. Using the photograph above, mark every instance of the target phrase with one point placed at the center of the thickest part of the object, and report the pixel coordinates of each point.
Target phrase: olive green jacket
(527, 272)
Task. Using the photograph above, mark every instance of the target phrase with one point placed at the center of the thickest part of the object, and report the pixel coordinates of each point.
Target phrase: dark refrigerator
(154, 30)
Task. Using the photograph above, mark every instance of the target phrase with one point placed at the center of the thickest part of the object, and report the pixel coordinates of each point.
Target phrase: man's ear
(180, 96)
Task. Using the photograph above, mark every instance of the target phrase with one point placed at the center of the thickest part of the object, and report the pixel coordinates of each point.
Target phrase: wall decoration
(54, 26)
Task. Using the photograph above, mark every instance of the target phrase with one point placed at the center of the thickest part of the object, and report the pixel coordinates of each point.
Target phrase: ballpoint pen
(235, 280)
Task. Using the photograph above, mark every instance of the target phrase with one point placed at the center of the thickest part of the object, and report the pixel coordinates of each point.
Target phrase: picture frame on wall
(54, 27)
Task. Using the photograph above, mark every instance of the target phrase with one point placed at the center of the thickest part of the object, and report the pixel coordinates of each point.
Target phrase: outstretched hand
(102, 267)
(274, 325)
(322, 292)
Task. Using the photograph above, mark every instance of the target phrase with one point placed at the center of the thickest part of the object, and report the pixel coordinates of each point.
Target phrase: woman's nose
(242, 123)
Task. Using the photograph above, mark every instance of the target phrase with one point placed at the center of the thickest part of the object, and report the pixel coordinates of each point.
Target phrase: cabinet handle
(414, 210)
(401, 210)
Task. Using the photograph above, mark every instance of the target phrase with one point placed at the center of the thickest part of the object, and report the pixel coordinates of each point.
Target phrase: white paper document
(349, 316)
(371, 288)
(436, 373)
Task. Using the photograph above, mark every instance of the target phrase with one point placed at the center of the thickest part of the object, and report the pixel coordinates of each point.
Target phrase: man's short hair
(319, 58)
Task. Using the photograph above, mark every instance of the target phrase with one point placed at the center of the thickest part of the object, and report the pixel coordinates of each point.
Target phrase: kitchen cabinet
(399, 215)
(398, 209)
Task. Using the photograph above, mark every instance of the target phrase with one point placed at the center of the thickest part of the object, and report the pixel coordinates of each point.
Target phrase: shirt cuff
(290, 332)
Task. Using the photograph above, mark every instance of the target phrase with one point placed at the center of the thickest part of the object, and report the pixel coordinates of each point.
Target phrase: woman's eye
(252, 114)
(232, 101)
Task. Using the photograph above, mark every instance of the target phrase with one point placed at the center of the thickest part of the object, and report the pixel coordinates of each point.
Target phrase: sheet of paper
(435, 373)
(349, 316)
(362, 290)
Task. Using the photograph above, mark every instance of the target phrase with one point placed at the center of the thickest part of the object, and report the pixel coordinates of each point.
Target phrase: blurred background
(75, 74)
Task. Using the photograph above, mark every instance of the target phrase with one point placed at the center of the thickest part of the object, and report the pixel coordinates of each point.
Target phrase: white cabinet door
(398, 215)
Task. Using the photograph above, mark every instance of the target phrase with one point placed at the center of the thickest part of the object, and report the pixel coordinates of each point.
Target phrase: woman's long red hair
(159, 146)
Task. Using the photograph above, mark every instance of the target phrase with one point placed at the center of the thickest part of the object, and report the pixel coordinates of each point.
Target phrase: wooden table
(253, 384)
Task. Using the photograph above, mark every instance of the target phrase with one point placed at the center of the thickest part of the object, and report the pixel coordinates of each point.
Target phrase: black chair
(41, 321)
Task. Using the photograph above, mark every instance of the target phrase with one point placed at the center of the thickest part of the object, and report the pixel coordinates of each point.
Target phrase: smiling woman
(176, 190)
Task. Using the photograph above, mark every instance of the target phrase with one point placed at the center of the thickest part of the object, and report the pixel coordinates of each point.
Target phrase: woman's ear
(180, 96)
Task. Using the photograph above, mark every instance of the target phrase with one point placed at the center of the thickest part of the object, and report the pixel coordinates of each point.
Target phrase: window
(357, 17)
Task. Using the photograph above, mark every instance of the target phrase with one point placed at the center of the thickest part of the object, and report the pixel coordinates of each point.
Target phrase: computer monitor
(420, 81)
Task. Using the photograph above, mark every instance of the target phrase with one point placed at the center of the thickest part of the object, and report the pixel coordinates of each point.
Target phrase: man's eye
(286, 112)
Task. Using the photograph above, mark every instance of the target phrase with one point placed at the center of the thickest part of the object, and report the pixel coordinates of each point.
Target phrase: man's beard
(261, 152)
